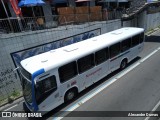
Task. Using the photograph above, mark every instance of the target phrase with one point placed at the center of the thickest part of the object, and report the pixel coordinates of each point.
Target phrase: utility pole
(10, 24)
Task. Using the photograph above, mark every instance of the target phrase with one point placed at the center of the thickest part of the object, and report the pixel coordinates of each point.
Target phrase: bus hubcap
(70, 95)
(123, 64)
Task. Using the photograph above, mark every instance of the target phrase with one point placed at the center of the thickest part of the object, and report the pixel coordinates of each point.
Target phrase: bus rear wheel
(123, 64)
(70, 95)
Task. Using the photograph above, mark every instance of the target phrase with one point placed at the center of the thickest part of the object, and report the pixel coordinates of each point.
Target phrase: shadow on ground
(153, 38)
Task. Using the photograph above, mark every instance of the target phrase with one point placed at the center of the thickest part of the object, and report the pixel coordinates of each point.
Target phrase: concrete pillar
(72, 3)
(142, 20)
(13, 14)
(47, 11)
(92, 3)
(49, 23)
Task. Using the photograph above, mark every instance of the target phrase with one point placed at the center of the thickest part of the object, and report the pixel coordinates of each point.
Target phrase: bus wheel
(123, 64)
(70, 95)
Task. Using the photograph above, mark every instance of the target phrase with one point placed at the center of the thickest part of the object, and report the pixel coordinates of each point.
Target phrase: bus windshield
(27, 90)
(26, 85)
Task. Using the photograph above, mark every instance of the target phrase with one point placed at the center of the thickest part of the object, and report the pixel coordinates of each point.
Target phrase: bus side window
(125, 45)
(67, 71)
(141, 37)
(114, 50)
(85, 63)
(101, 56)
(135, 40)
(45, 87)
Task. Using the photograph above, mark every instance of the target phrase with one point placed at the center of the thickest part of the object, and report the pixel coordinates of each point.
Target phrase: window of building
(114, 50)
(85, 63)
(67, 71)
(101, 56)
(135, 40)
(125, 45)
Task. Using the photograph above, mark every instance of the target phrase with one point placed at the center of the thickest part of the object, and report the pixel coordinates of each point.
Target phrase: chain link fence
(24, 24)
(10, 88)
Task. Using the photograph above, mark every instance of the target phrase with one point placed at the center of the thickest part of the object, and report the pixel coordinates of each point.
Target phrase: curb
(152, 31)
(17, 101)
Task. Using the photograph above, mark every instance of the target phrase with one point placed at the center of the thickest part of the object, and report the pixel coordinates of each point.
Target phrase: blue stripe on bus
(35, 74)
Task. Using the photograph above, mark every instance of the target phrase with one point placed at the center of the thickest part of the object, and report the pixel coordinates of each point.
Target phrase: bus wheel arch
(124, 63)
(70, 94)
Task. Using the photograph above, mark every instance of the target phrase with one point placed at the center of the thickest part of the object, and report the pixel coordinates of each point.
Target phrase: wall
(79, 14)
(15, 47)
(144, 20)
(153, 20)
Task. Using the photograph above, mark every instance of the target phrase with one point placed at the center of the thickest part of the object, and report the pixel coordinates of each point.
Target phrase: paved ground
(138, 90)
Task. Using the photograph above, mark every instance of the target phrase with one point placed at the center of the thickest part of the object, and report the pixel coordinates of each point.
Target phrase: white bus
(52, 78)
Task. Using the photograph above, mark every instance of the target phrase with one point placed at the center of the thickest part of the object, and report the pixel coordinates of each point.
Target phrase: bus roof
(58, 57)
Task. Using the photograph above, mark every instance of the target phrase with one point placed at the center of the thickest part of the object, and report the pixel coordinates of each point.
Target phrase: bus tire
(70, 94)
(123, 64)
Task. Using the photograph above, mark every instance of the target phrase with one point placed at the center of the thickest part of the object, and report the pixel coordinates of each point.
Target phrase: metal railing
(19, 24)
(135, 6)
(41, 23)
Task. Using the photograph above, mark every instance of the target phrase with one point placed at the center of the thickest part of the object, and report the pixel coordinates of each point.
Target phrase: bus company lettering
(143, 114)
(73, 83)
(94, 72)
(34, 115)
(15, 114)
